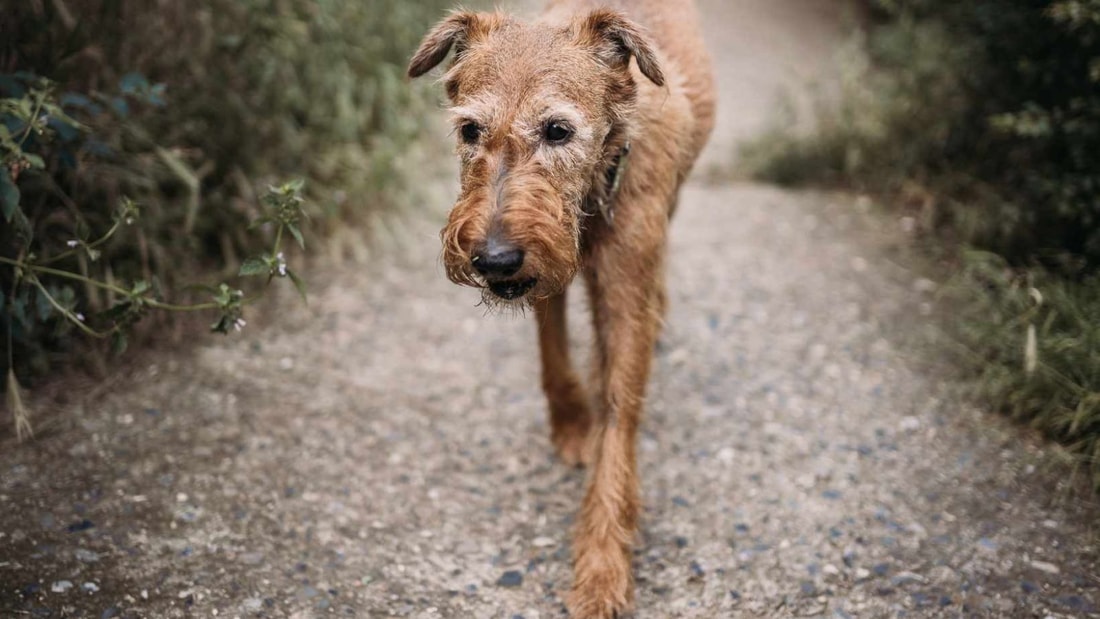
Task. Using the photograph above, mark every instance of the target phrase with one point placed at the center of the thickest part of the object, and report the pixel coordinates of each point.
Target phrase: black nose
(498, 261)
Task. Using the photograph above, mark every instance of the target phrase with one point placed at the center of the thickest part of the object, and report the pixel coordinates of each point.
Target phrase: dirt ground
(384, 452)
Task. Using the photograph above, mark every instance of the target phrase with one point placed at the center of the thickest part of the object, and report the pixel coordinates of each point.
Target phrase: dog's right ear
(457, 30)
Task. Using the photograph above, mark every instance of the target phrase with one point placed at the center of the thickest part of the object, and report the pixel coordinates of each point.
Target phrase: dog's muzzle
(498, 264)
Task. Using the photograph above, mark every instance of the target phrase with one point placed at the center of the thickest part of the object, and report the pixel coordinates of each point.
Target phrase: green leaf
(119, 342)
(34, 161)
(9, 194)
(221, 326)
(23, 227)
(297, 235)
(259, 221)
(44, 307)
(140, 288)
(254, 266)
(298, 283)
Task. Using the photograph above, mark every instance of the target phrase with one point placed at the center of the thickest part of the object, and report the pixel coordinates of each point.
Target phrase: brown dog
(572, 157)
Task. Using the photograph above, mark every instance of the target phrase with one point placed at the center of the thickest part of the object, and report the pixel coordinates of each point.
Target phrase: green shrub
(188, 109)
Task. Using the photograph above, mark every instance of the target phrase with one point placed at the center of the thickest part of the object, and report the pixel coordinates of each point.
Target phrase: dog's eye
(558, 133)
(470, 132)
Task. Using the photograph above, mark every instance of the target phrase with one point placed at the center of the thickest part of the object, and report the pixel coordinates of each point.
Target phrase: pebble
(86, 556)
(511, 578)
(1043, 566)
(89, 587)
(61, 586)
(543, 542)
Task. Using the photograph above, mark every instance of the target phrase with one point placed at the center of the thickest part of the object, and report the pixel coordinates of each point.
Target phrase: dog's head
(539, 112)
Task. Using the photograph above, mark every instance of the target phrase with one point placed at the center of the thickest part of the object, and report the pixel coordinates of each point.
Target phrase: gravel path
(385, 452)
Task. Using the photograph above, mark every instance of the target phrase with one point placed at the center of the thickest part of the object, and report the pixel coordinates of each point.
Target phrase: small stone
(830, 570)
(1043, 566)
(61, 586)
(83, 525)
(543, 542)
(252, 558)
(905, 578)
(89, 587)
(862, 573)
(86, 556)
(910, 423)
(697, 570)
(511, 578)
(942, 575)
(726, 455)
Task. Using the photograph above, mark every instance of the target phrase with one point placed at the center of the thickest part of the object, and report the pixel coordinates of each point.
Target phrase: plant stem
(116, 289)
(65, 274)
(96, 243)
(66, 313)
(30, 124)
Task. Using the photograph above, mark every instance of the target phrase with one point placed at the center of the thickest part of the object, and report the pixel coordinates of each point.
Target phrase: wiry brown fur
(616, 72)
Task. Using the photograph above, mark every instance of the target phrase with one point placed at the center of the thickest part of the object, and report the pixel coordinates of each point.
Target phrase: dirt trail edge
(385, 451)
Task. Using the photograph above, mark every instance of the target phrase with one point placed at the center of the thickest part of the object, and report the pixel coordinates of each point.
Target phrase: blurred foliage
(993, 107)
(1031, 339)
(981, 120)
(186, 109)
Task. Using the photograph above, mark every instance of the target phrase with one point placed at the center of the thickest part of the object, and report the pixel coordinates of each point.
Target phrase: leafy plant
(37, 291)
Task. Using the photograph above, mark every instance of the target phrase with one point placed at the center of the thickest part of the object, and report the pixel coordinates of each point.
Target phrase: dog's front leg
(624, 289)
(568, 402)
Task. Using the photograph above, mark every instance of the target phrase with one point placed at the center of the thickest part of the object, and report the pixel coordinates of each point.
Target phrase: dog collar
(605, 204)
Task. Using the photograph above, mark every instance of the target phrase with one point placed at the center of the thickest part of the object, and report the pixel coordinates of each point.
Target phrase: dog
(575, 133)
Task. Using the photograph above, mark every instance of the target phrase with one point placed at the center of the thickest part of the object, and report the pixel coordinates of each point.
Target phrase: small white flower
(282, 264)
(129, 221)
(80, 317)
(73, 243)
(239, 324)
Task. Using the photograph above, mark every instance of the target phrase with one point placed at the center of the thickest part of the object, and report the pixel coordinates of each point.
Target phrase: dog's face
(536, 110)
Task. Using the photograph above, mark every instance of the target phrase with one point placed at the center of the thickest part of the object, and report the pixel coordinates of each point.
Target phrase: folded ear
(455, 31)
(617, 38)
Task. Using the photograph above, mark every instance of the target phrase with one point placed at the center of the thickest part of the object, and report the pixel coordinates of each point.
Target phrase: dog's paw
(571, 443)
(602, 587)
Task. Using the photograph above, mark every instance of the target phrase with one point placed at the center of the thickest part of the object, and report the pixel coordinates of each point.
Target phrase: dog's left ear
(459, 29)
(617, 38)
